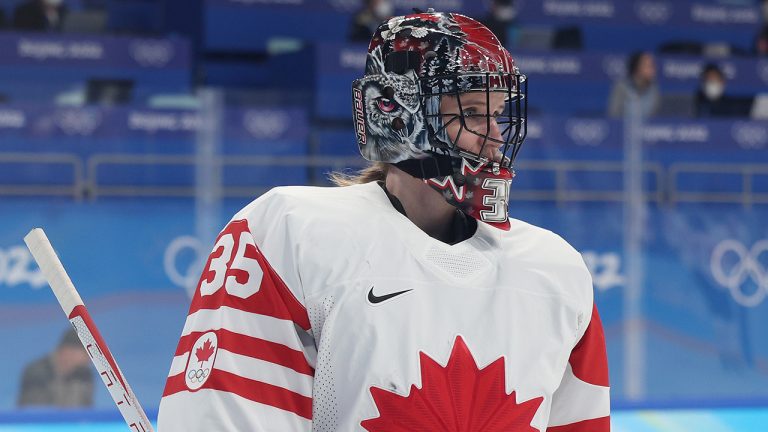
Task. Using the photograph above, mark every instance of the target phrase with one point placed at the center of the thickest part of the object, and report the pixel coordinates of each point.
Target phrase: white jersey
(325, 309)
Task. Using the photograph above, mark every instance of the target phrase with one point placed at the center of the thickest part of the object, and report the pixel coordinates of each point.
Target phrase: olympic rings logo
(198, 375)
(184, 273)
(747, 266)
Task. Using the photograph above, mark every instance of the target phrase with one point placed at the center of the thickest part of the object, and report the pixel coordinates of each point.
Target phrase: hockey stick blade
(89, 335)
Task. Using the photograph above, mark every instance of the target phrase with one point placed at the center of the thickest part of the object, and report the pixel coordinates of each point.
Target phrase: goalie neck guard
(413, 63)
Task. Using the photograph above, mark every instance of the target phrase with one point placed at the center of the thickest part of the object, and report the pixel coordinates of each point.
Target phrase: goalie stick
(89, 335)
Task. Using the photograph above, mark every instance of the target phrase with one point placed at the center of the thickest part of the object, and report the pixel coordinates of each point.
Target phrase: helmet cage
(511, 122)
(415, 63)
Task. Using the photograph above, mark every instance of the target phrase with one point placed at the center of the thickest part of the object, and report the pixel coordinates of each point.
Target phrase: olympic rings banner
(94, 52)
(89, 128)
(742, 270)
(648, 12)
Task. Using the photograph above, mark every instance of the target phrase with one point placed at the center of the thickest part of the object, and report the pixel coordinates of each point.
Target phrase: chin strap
(430, 167)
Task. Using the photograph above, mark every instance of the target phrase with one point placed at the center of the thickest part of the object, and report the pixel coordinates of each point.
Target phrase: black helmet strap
(400, 62)
(437, 165)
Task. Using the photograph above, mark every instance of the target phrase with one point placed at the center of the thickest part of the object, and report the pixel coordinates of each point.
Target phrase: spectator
(639, 85)
(62, 378)
(367, 20)
(710, 97)
(501, 18)
(39, 15)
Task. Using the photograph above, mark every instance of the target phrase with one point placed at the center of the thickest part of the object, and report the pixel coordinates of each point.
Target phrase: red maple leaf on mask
(205, 352)
(459, 397)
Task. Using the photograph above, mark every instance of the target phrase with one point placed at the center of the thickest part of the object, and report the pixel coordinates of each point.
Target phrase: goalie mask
(433, 83)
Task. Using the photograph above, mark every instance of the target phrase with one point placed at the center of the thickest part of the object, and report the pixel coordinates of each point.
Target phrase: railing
(746, 197)
(73, 188)
(99, 162)
(665, 188)
(96, 162)
(564, 192)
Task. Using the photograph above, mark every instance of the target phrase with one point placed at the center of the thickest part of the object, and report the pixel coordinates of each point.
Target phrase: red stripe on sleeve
(253, 347)
(588, 359)
(296, 310)
(260, 392)
(174, 385)
(602, 424)
(273, 297)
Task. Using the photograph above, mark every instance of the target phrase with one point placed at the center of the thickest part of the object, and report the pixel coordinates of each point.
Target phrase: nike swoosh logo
(374, 299)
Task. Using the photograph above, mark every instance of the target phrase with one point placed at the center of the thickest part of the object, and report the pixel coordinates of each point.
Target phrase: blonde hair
(376, 171)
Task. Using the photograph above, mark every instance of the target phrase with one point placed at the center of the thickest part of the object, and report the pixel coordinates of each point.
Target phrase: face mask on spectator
(713, 89)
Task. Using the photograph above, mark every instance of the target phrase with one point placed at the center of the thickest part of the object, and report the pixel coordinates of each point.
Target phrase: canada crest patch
(201, 359)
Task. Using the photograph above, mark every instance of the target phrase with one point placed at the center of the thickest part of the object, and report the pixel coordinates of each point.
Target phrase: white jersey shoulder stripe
(263, 371)
(179, 364)
(246, 323)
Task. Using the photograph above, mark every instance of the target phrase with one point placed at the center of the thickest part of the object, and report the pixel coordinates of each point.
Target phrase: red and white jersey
(325, 309)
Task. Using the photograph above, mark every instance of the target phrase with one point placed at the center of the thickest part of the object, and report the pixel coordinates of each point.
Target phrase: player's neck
(423, 205)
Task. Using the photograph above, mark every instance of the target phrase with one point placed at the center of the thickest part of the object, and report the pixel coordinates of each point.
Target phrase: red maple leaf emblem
(205, 352)
(459, 397)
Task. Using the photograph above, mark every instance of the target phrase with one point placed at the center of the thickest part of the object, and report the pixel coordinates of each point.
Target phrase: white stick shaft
(89, 335)
(54, 272)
